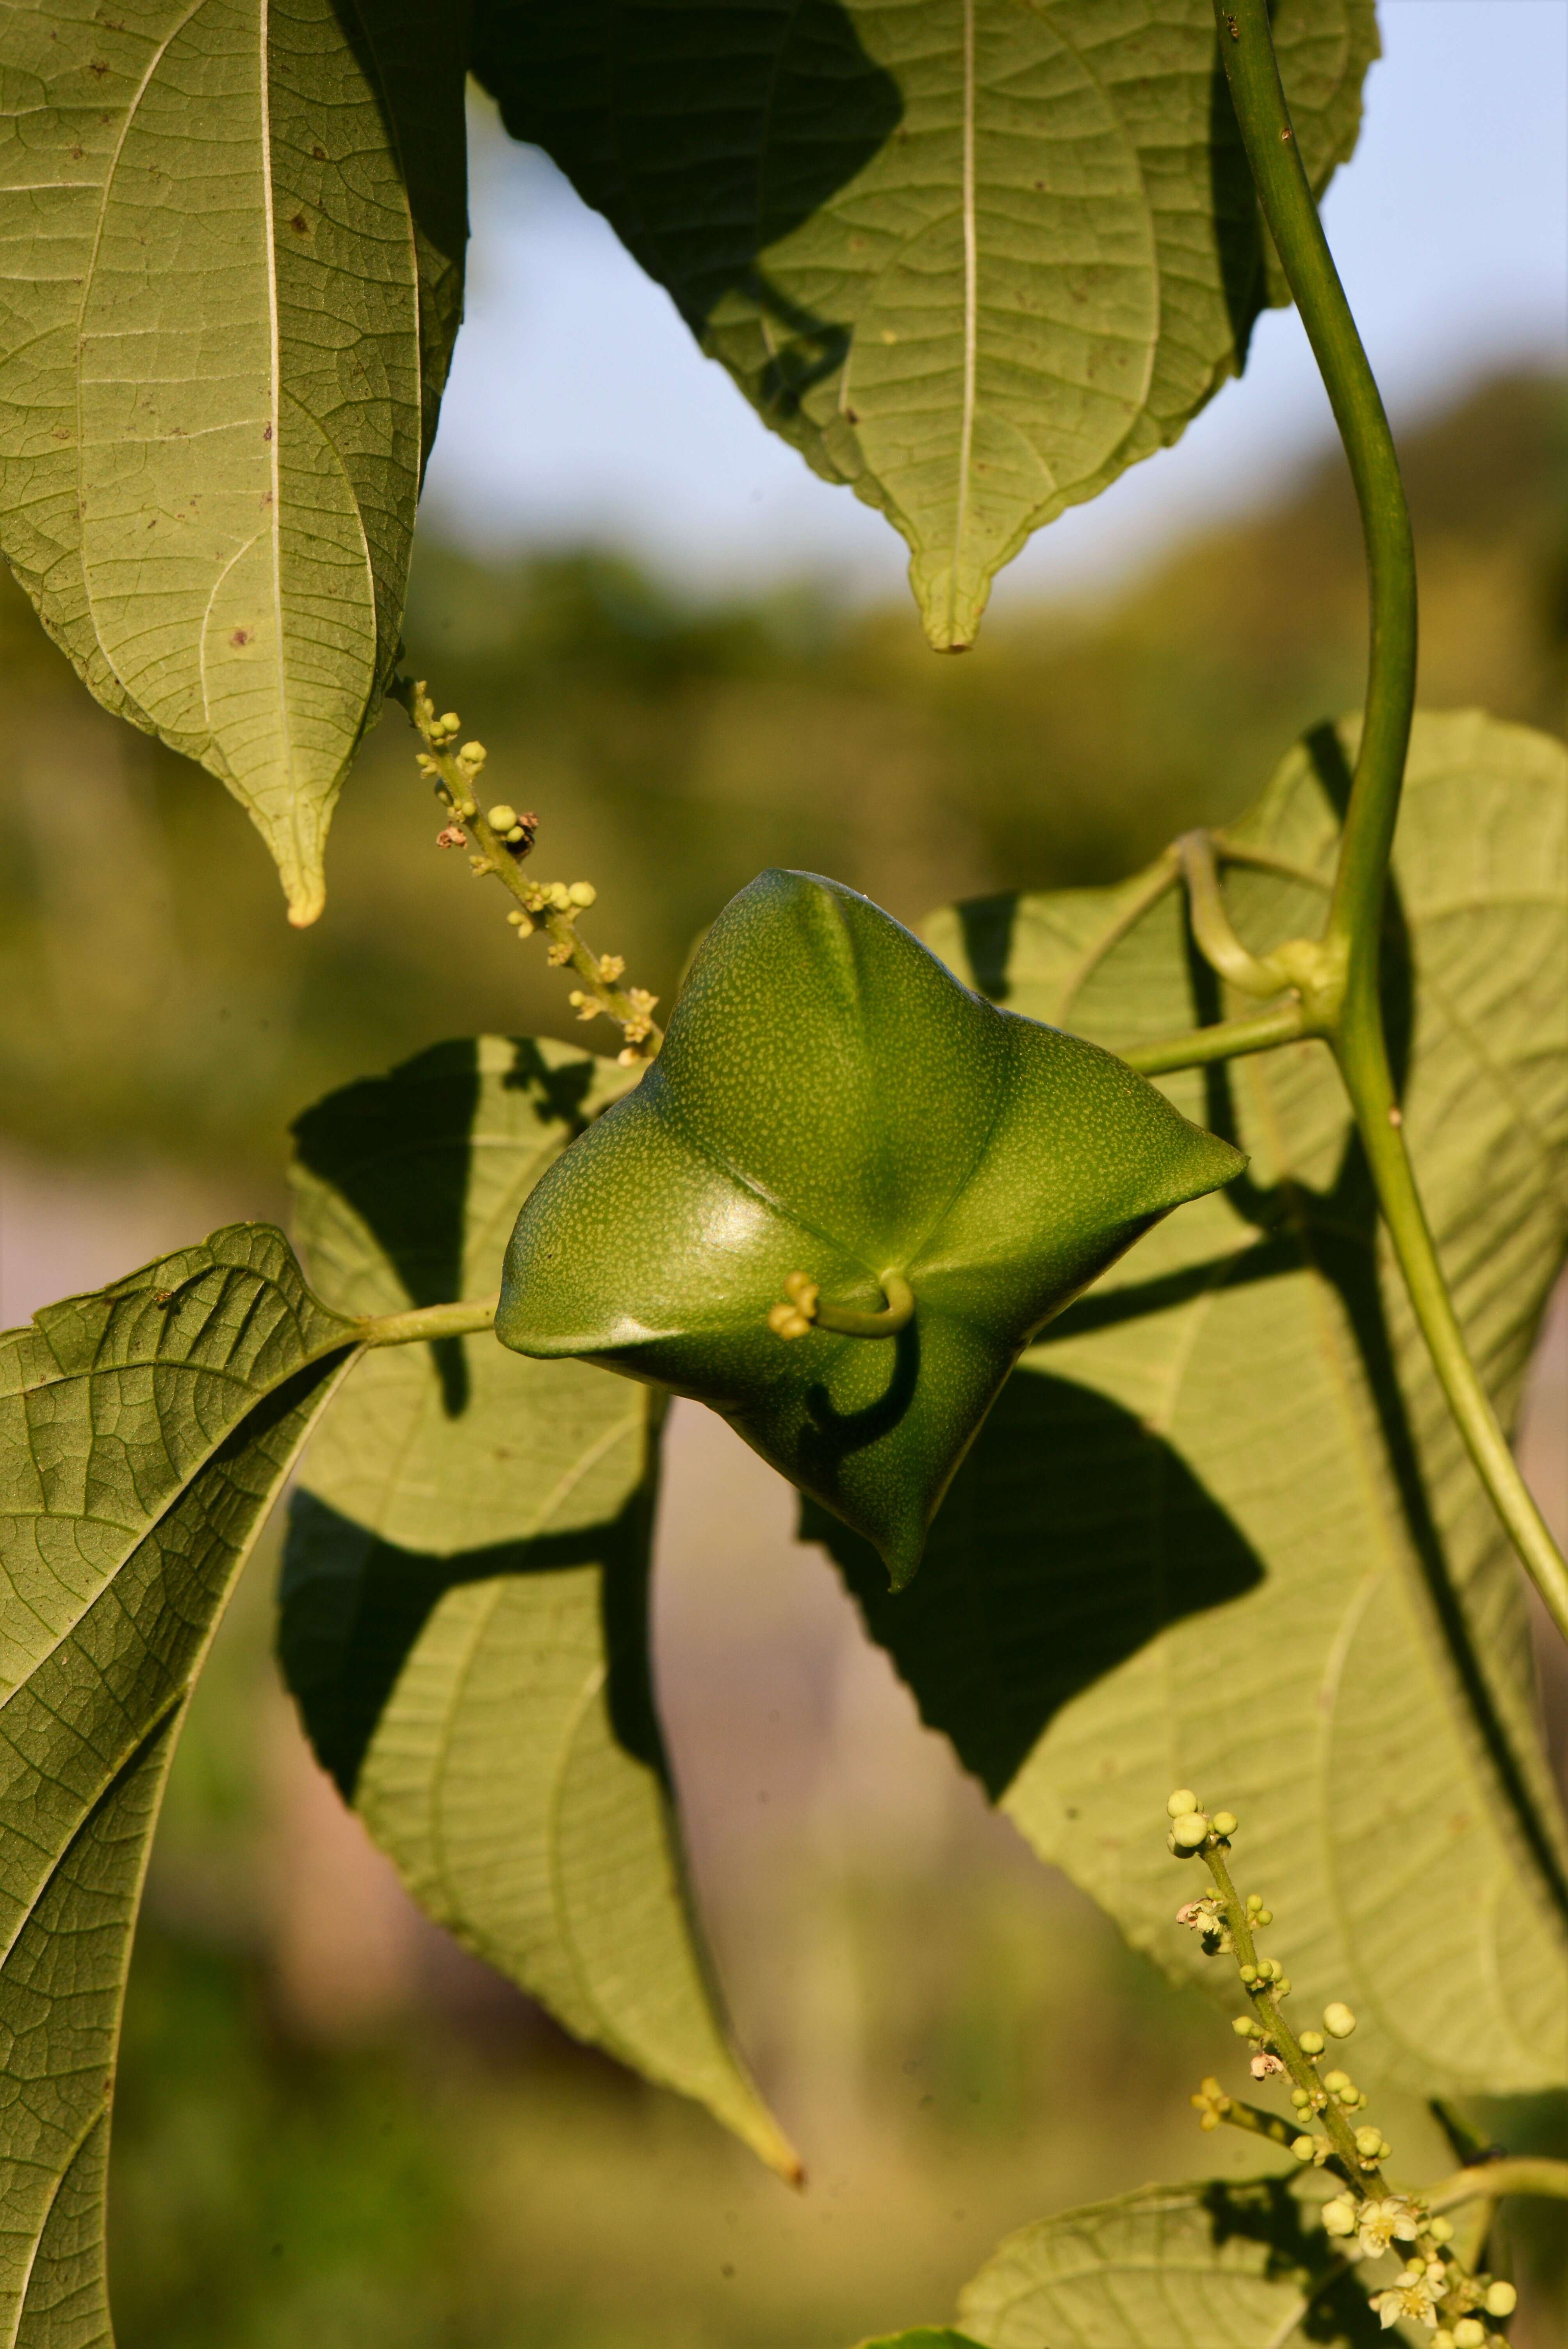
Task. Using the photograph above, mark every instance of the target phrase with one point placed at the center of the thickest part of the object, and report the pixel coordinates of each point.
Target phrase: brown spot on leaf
(320, 154)
(266, 432)
(300, 225)
(241, 637)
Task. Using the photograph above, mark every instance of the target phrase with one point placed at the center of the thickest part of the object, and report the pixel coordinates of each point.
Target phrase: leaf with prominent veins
(144, 1434)
(1221, 1530)
(1219, 2265)
(464, 1615)
(231, 255)
(974, 262)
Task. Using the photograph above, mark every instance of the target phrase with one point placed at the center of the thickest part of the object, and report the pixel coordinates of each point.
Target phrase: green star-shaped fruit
(841, 1202)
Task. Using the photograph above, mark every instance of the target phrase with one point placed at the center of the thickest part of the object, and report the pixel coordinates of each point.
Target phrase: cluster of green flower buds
(515, 832)
(568, 897)
(1362, 2218)
(1191, 1829)
(1433, 2289)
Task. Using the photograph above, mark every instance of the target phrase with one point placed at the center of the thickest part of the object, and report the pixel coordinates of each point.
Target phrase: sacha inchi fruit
(843, 1200)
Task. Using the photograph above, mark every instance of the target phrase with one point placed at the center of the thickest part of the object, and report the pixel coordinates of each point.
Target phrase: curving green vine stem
(1330, 984)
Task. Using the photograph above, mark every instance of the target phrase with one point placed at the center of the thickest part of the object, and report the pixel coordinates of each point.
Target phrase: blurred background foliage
(150, 996)
(331, 2126)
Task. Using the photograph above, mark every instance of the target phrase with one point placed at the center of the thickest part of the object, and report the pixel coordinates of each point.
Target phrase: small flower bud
(1442, 2338)
(1440, 2229)
(1369, 2143)
(1265, 1916)
(503, 817)
(525, 926)
(1190, 1830)
(1339, 2217)
(1311, 2043)
(1303, 2148)
(1225, 1823)
(1338, 2020)
(449, 722)
(1242, 2026)
(473, 754)
(582, 893)
(1182, 1801)
(1300, 2099)
(1249, 1974)
(1469, 2333)
(1335, 2081)
(1501, 2299)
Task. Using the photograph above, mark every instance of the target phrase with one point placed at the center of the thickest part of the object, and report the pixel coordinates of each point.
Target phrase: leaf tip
(306, 894)
(949, 612)
(759, 2130)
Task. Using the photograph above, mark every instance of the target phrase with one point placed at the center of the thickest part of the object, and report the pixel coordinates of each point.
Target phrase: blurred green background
(331, 2127)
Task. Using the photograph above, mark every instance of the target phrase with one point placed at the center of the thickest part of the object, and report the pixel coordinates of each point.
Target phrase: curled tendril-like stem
(805, 1310)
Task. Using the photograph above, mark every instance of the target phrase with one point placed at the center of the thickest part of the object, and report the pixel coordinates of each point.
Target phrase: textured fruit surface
(831, 1101)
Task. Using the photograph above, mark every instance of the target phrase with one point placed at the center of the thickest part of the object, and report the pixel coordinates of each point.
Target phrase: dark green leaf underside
(973, 262)
(230, 273)
(145, 1433)
(464, 1615)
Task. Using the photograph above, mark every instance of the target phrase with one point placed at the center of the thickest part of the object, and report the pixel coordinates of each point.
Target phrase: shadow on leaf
(351, 1609)
(1268, 2211)
(1070, 1537)
(705, 142)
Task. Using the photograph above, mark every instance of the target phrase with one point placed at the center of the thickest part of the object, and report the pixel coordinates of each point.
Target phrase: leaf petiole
(1227, 1040)
(424, 1323)
(1514, 2174)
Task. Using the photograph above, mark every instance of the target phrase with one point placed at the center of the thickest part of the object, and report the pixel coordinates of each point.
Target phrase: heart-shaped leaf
(1220, 1531)
(973, 262)
(1219, 2265)
(464, 1608)
(144, 1434)
(830, 1101)
(231, 273)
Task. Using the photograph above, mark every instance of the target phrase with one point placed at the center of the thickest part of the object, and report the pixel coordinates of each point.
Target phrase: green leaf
(144, 1434)
(973, 262)
(464, 1608)
(230, 273)
(1228, 2267)
(1220, 1531)
(829, 1100)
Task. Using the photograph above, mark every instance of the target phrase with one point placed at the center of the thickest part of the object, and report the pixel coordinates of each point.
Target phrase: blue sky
(580, 409)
